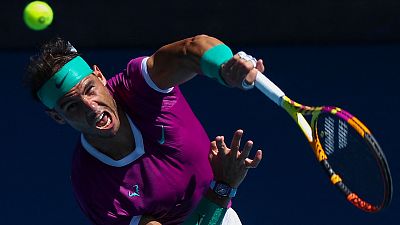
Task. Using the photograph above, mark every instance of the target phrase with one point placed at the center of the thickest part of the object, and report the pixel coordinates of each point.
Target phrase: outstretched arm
(178, 62)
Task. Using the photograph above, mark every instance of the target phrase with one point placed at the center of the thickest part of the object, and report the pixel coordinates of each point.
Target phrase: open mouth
(103, 121)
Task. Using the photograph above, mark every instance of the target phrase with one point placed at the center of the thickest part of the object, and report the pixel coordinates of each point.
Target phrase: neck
(118, 146)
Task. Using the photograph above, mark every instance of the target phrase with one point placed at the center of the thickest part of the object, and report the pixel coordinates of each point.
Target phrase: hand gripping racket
(344, 147)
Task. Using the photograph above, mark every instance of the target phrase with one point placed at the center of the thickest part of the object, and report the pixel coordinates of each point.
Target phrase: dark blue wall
(287, 188)
(127, 23)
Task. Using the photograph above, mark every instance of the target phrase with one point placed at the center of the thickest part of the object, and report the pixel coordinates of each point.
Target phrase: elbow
(203, 38)
(198, 44)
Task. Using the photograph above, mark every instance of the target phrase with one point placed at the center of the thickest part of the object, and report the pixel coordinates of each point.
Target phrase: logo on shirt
(162, 139)
(135, 192)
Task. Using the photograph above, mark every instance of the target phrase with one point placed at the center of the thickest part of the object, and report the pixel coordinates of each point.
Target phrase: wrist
(220, 201)
(221, 193)
(212, 60)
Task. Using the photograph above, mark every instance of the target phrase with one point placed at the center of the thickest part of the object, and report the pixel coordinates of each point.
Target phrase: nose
(89, 104)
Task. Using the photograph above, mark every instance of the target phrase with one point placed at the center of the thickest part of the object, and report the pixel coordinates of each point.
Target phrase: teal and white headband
(63, 81)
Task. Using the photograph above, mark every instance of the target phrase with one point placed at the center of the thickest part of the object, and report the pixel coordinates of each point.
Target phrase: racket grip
(268, 88)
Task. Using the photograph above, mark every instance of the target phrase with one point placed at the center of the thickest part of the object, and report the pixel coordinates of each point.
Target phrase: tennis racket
(344, 146)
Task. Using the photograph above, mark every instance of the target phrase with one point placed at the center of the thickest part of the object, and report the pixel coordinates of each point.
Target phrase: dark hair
(52, 56)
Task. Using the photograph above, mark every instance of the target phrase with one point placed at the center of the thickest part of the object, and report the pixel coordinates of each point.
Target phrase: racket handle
(266, 86)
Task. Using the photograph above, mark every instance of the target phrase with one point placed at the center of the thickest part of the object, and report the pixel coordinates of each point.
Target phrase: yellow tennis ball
(38, 15)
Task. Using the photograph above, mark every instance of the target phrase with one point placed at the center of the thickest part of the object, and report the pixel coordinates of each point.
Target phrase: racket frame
(297, 112)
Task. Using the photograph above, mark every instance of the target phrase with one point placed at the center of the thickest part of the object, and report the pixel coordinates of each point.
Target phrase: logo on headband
(59, 84)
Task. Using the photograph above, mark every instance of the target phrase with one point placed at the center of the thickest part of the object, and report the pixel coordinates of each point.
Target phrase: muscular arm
(178, 62)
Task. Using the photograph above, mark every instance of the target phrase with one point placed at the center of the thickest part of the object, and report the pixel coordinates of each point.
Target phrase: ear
(55, 116)
(99, 74)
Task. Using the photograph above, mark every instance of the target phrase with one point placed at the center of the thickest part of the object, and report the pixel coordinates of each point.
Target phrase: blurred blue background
(357, 71)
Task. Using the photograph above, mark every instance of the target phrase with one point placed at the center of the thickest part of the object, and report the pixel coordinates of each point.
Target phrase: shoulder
(124, 78)
(137, 65)
(136, 76)
(128, 80)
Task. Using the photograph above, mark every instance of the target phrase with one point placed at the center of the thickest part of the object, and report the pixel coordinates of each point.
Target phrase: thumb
(213, 150)
(260, 65)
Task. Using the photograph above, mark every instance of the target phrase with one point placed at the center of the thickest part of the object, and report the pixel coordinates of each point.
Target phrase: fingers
(222, 149)
(213, 150)
(240, 68)
(254, 163)
(250, 163)
(251, 76)
(260, 65)
(246, 151)
(219, 148)
(245, 67)
(235, 144)
(252, 67)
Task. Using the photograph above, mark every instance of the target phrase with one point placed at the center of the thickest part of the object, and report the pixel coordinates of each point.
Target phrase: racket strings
(353, 160)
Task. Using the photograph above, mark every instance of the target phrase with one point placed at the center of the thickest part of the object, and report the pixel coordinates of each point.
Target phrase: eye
(71, 107)
(90, 90)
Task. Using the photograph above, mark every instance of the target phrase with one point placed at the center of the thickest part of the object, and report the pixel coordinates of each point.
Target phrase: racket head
(348, 152)
(352, 158)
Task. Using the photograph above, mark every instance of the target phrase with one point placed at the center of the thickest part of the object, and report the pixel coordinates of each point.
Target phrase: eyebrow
(65, 100)
(85, 83)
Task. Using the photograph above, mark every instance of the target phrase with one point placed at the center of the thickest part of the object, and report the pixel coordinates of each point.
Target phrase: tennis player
(143, 157)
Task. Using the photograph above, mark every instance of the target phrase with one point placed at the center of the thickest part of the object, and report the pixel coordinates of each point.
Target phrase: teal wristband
(212, 59)
(206, 213)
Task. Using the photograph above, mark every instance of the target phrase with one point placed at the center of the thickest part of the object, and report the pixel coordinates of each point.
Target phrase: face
(89, 107)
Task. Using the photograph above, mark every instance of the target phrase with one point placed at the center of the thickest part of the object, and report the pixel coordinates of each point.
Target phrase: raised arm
(178, 62)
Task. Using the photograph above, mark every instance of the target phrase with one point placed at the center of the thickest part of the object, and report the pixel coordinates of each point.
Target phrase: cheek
(77, 124)
(108, 99)
(77, 121)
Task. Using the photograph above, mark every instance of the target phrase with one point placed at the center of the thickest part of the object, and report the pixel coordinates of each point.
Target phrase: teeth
(99, 118)
(108, 122)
